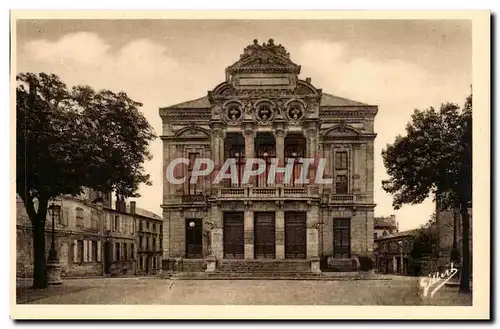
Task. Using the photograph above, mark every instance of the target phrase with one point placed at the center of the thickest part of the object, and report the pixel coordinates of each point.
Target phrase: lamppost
(193, 233)
(53, 265)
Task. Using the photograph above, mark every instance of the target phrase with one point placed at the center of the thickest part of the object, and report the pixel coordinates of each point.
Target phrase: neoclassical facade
(264, 110)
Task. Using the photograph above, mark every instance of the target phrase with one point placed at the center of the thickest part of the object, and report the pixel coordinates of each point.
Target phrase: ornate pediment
(265, 58)
(342, 129)
(192, 131)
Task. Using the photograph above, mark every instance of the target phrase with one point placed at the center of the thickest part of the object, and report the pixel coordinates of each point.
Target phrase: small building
(392, 252)
(149, 241)
(383, 226)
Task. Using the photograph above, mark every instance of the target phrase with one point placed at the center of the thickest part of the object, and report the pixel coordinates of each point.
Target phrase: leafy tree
(435, 157)
(426, 241)
(68, 139)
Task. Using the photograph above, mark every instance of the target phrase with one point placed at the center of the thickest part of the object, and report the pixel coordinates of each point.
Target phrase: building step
(268, 276)
(264, 266)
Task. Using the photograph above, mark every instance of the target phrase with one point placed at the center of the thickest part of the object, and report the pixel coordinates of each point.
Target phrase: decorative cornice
(183, 115)
(348, 112)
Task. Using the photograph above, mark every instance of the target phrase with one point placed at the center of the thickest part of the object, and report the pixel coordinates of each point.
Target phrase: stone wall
(361, 230)
(64, 246)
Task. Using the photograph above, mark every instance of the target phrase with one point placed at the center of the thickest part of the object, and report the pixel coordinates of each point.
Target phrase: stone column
(312, 232)
(216, 238)
(249, 148)
(166, 235)
(249, 231)
(312, 152)
(280, 232)
(280, 153)
(312, 144)
(222, 136)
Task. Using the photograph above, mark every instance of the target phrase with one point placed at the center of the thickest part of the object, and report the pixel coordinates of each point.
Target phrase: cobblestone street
(155, 291)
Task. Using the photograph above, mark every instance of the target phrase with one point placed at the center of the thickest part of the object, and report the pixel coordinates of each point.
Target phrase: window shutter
(99, 251)
(85, 251)
(75, 251)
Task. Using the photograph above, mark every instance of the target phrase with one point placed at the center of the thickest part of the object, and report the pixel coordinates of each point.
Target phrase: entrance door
(194, 247)
(264, 235)
(234, 236)
(295, 235)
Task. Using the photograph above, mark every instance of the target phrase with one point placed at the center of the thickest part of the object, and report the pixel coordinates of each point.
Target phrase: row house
(91, 237)
(383, 226)
(149, 243)
(393, 252)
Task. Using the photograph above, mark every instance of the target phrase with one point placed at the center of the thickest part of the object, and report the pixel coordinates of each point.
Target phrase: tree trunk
(464, 278)
(39, 267)
(38, 226)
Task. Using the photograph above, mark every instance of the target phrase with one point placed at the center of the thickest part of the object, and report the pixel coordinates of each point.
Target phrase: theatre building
(264, 110)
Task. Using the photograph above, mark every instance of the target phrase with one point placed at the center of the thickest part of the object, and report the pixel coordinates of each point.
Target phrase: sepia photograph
(256, 159)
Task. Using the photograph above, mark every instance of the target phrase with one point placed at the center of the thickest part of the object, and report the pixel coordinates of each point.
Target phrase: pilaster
(312, 232)
(216, 239)
(280, 232)
(249, 232)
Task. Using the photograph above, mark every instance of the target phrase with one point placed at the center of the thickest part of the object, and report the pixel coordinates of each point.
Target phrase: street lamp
(191, 225)
(53, 266)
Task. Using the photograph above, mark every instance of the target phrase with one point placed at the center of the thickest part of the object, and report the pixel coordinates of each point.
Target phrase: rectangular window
(79, 217)
(154, 244)
(375, 235)
(116, 224)
(341, 160)
(117, 251)
(147, 226)
(140, 242)
(125, 254)
(140, 225)
(147, 243)
(94, 222)
(63, 219)
(342, 238)
(80, 251)
(132, 251)
(191, 188)
(341, 184)
(94, 251)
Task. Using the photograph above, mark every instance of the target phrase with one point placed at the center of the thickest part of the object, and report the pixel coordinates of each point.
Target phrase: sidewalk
(26, 294)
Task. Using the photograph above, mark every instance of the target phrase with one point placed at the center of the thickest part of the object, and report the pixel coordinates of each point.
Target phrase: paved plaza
(392, 290)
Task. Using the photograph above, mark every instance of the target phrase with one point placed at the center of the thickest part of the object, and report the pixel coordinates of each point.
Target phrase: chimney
(308, 80)
(132, 207)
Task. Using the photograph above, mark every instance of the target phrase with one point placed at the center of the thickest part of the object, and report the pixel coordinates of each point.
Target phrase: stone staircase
(255, 269)
(262, 269)
(263, 266)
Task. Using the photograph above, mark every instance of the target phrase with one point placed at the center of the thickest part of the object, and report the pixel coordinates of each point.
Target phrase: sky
(398, 65)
